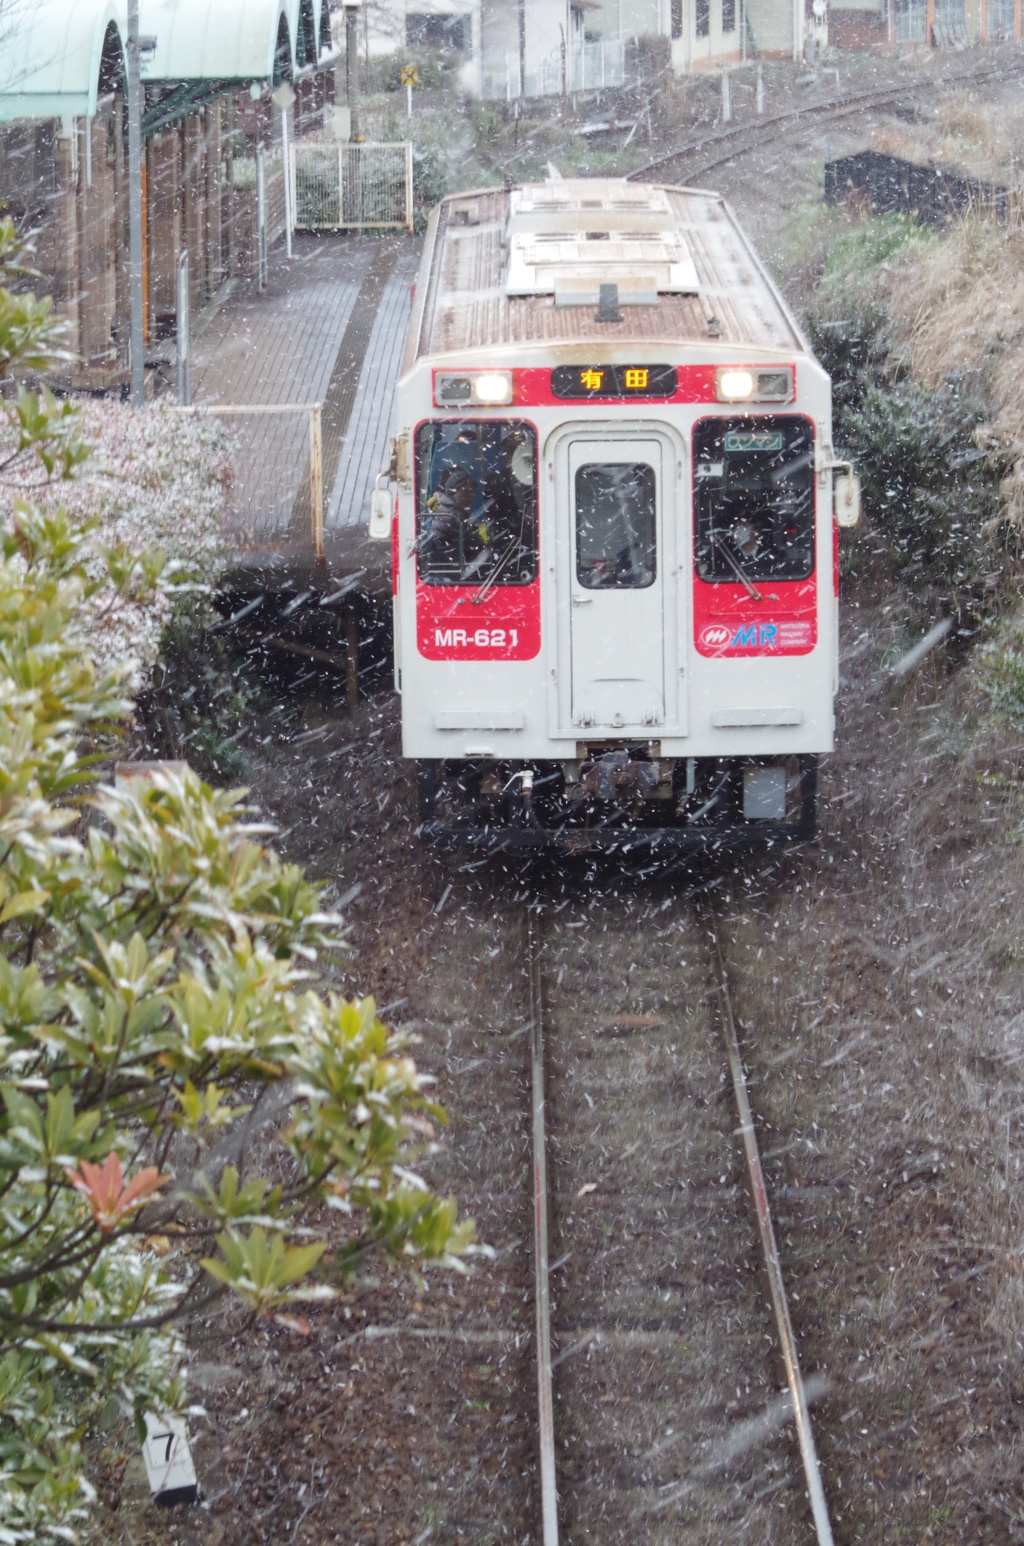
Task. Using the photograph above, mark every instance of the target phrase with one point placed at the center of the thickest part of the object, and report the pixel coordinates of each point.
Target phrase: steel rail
(781, 123)
(790, 1358)
(545, 1404)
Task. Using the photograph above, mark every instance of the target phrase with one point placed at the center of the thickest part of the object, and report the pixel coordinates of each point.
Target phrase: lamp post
(284, 98)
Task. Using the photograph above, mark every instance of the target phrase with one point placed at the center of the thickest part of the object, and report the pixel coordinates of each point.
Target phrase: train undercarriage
(618, 798)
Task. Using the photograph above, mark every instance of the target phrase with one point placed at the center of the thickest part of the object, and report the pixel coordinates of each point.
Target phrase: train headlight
(484, 388)
(735, 385)
(495, 387)
(754, 386)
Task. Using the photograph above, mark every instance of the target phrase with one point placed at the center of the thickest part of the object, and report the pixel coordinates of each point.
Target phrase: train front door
(615, 558)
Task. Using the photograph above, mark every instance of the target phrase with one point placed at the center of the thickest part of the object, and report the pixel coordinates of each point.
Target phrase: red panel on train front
(728, 622)
(452, 625)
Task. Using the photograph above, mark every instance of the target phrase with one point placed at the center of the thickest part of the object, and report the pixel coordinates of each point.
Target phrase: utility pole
(352, 64)
(284, 99)
(135, 206)
(522, 48)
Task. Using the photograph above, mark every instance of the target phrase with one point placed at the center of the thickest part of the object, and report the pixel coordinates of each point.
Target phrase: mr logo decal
(796, 637)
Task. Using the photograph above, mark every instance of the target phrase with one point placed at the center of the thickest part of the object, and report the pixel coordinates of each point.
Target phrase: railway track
(704, 154)
(657, 1356)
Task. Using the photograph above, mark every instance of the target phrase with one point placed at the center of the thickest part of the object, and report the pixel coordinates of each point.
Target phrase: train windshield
(476, 502)
(754, 499)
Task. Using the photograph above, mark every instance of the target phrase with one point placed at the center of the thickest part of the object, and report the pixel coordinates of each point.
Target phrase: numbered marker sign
(172, 1476)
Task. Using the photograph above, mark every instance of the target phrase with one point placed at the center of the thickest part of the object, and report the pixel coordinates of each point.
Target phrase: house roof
(51, 49)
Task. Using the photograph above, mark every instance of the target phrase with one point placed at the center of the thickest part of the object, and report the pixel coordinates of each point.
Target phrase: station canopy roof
(54, 52)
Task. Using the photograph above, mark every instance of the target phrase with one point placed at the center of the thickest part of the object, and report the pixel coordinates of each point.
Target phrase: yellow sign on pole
(410, 75)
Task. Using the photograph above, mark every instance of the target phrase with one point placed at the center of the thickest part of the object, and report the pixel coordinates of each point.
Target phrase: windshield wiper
(492, 578)
(735, 566)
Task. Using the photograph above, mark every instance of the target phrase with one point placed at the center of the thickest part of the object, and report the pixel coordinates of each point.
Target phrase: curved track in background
(704, 154)
(653, 1365)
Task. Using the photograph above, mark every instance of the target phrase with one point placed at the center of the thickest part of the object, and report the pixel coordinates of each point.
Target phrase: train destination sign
(613, 381)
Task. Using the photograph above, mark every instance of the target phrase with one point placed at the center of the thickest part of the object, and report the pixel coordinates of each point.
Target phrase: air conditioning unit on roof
(566, 239)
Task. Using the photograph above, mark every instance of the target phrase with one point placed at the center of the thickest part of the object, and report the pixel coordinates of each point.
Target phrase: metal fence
(277, 496)
(589, 66)
(592, 66)
(351, 186)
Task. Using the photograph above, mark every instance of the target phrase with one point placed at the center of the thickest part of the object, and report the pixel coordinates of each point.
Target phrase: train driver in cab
(480, 518)
(455, 537)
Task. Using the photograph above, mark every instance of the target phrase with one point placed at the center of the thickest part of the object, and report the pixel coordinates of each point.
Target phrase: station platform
(328, 328)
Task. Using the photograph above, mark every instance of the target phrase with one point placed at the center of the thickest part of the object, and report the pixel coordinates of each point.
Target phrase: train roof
(523, 267)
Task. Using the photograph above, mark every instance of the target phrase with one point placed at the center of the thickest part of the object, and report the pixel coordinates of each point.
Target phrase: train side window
(616, 526)
(476, 502)
(753, 498)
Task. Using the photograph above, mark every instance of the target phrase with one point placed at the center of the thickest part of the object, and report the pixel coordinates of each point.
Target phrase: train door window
(616, 526)
(476, 502)
(702, 15)
(728, 15)
(753, 499)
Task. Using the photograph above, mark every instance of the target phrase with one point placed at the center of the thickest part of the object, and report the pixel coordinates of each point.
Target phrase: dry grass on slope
(962, 134)
(953, 303)
(957, 307)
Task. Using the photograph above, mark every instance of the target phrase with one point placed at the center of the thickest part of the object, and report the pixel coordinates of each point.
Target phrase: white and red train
(613, 533)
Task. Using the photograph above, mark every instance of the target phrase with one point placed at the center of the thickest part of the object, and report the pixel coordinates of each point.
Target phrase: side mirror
(846, 498)
(380, 515)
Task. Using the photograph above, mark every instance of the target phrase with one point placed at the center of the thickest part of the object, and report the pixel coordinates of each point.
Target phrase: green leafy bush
(159, 1010)
(439, 69)
(1001, 673)
(850, 339)
(928, 488)
(930, 492)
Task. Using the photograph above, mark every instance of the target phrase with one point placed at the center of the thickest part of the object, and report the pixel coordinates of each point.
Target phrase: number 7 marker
(169, 1467)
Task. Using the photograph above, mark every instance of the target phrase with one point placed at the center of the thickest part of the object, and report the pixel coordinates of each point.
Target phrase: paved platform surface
(328, 328)
(365, 447)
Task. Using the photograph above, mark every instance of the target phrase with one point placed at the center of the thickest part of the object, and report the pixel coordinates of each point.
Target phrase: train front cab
(625, 628)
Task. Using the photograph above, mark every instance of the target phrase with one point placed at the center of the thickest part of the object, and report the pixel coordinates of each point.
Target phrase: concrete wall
(862, 26)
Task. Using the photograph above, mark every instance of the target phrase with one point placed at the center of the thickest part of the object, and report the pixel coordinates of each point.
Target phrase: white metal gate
(353, 186)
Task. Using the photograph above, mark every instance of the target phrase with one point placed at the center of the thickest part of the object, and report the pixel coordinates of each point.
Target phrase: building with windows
(532, 48)
(942, 23)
